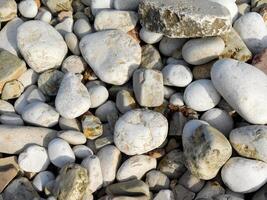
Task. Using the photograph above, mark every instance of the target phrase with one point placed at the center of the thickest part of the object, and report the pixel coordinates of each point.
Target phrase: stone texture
(11, 67)
(71, 184)
(13, 139)
(183, 18)
(235, 47)
(156, 180)
(151, 58)
(206, 151)
(58, 5)
(8, 10)
(191, 182)
(260, 61)
(12, 89)
(210, 190)
(92, 127)
(9, 170)
(181, 193)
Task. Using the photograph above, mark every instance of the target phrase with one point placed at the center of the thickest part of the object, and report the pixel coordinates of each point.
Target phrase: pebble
(106, 111)
(150, 37)
(180, 193)
(33, 159)
(199, 18)
(69, 124)
(58, 5)
(82, 151)
(28, 8)
(60, 152)
(243, 9)
(202, 71)
(233, 174)
(177, 123)
(219, 119)
(126, 4)
(252, 30)
(81, 28)
(191, 182)
(172, 164)
(11, 67)
(92, 127)
(20, 189)
(151, 58)
(6, 107)
(202, 50)
(231, 6)
(21, 102)
(28, 78)
(71, 183)
(40, 114)
(148, 87)
(11, 119)
(125, 101)
(36, 95)
(41, 179)
(157, 181)
(13, 139)
(109, 157)
(135, 167)
(115, 19)
(65, 26)
(74, 64)
(98, 5)
(210, 190)
(72, 137)
(201, 95)
(72, 43)
(52, 51)
(203, 162)
(250, 141)
(92, 164)
(235, 47)
(98, 95)
(191, 126)
(177, 75)
(129, 188)
(112, 54)
(164, 194)
(12, 90)
(139, 131)
(177, 99)
(244, 87)
(49, 82)
(8, 10)
(44, 15)
(70, 94)
(260, 61)
(168, 46)
(8, 35)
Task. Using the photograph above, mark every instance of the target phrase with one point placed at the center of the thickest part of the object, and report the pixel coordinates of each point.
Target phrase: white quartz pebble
(98, 95)
(41, 179)
(244, 175)
(44, 15)
(150, 37)
(81, 28)
(168, 46)
(136, 167)
(6, 107)
(176, 99)
(219, 119)
(60, 152)
(41, 114)
(177, 75)
(201, 95)
(82, 151)
(28, 8)
(139, 131)
(252, 30)
(33, 159)
(72, 137)
(92, 164)
(72, 99)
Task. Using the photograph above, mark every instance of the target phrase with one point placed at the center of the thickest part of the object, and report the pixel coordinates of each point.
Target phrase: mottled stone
(181, 193)
(58, 5)
(8, 10)
(184, 18)
(151, 58)
(210, 190)
(12, 89)
(191, 182)
(157, 180)
(92, 127)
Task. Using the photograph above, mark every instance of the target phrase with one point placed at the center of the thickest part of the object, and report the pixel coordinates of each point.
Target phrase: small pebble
(74, 64)
(177, 99)
(151, 58)
(28, 78)
(72, 137)
(81, 28)
(72, 43)
(65, 26)
(12, 90)
(164, 194)
(157, 180)
(41, 179)
(98, 5)
(126, 4)
(191, 182)
(69, 124)
(35, 95)
(82, 151)
(168, 46)
(150, 37)
(98, 95)
(28, 8)
(125, 101)
(11, 119)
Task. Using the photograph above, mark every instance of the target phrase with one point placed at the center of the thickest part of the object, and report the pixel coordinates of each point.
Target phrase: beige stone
(12, 90)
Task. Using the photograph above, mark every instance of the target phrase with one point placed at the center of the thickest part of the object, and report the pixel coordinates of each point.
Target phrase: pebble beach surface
(133, 100)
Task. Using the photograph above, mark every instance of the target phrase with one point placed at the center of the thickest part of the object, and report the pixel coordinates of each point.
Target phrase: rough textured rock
(206, 151)
(92, 127)
(58, 5)
(41, 45)
(112, 54)
(183, 18)
(139, 131)
(151, 58)
(250, 141)
(14, 139)
(244, 87)
(71, 183)
(11, 67)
